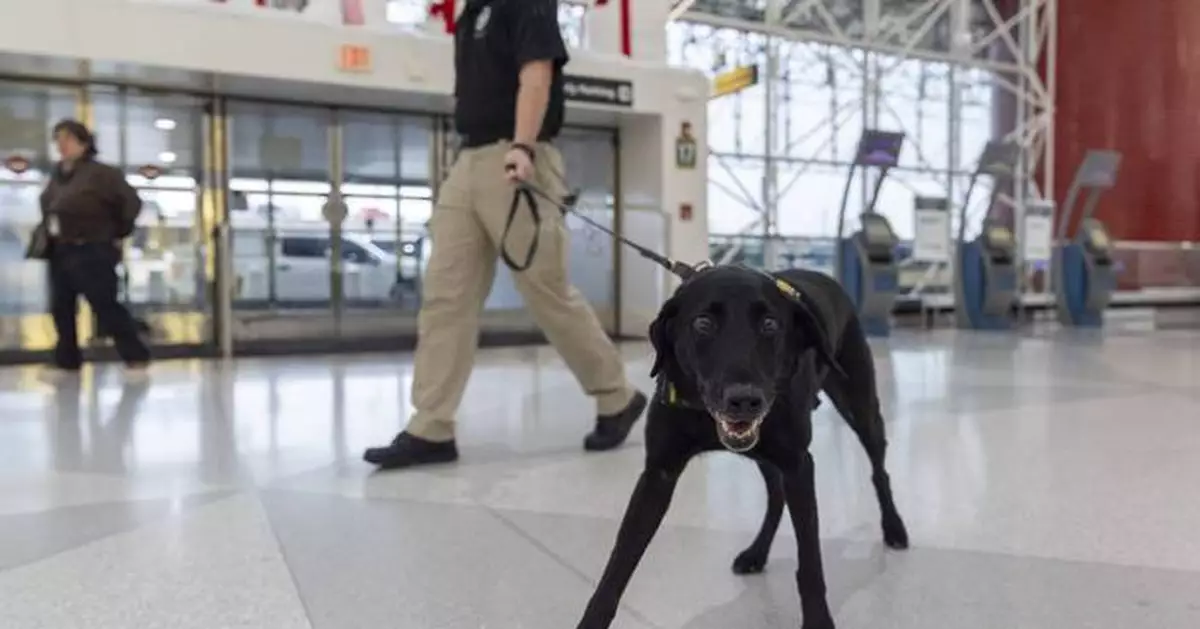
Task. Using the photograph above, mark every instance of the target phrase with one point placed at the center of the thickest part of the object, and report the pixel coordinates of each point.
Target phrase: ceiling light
(164, 124)
(167, 157)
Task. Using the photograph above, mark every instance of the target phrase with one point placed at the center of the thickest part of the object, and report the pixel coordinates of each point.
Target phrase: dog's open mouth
(737, 435)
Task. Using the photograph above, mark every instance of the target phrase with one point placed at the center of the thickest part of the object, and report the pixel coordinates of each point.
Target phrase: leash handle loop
(527, 190)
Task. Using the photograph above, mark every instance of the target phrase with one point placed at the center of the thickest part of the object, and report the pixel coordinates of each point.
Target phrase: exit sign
(353, 58)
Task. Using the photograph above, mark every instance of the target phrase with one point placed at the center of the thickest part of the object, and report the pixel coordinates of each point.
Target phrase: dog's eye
(704, 324)
(770, 325)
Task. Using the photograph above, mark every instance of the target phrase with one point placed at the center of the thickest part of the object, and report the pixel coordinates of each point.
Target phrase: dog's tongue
(737, 428)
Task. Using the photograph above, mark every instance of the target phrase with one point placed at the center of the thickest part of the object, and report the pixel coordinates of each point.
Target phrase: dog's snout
(743, 400)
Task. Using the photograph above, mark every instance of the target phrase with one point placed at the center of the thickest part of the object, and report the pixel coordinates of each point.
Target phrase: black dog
(741, 357)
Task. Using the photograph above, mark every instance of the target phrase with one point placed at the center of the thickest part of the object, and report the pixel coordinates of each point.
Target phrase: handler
(508, 60)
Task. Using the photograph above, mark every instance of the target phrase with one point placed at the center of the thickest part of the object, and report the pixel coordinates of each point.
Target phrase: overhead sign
(734, 81)
(590, 89)
(931, 229)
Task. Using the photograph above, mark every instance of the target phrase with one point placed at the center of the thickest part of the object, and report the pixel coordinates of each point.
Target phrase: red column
(1129, 80)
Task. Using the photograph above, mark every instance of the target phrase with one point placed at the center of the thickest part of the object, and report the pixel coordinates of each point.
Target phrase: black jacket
(92, 202)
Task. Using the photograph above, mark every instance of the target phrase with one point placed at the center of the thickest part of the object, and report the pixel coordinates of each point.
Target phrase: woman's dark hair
(80, 132)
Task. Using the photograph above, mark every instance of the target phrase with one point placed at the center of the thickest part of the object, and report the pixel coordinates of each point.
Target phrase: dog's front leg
(645, 512)
(801, 491)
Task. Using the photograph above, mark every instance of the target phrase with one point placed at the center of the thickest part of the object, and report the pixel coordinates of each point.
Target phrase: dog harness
(668, 395)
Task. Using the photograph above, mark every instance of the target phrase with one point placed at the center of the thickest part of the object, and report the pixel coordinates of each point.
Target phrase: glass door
(303, 281)
(27, 113)
(386, 187)
(157, 139)
(279, 183)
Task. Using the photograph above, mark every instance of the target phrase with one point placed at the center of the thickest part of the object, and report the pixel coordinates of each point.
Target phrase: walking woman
(87, 209)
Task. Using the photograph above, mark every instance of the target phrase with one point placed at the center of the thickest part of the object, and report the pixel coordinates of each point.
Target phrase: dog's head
(731, 338)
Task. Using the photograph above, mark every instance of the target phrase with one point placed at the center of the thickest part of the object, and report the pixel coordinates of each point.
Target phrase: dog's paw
(895, 535)
(750, 561)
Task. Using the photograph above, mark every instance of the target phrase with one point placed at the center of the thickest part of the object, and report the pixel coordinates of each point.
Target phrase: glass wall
(284, 168)
(295, 277)
(284, 164)
(27, 113)
(156, 141)
(822, 106)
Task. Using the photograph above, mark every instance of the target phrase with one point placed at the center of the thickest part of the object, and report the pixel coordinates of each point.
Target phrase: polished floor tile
(1045, 477)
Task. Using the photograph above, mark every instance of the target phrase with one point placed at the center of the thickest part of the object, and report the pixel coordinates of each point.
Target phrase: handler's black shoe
(407, 451)
(612, 430)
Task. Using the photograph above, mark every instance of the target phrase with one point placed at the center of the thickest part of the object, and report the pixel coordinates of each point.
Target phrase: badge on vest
(481, 22)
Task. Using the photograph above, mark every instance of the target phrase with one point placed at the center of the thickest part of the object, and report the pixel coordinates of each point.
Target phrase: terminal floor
(1049, 481)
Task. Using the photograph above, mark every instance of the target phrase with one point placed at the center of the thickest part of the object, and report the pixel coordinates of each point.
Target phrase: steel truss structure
(991, 55)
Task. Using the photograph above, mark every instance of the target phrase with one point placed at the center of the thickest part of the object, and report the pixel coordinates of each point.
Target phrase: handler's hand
(518, 166)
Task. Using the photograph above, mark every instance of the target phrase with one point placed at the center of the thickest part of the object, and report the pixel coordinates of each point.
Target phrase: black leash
(683, 270)
(529, 192)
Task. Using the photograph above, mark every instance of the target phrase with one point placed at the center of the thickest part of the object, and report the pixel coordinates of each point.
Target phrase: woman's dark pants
(89, 270)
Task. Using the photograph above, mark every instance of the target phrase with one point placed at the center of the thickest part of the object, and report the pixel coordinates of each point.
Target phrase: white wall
(648, 26)
(244, 48)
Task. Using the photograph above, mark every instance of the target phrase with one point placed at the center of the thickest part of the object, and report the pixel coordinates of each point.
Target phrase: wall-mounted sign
(685, 212)
(686, 149)
(588, 89)
(17, 163)
(354, 58)
(734, 81)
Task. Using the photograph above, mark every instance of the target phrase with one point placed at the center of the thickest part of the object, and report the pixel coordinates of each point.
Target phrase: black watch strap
(526, 149)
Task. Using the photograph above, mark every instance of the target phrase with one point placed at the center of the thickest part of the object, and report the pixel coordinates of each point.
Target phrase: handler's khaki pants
(465, 229)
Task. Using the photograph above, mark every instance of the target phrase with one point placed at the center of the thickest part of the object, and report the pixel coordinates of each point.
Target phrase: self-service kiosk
(986, 277)
(1083, 264)
(866, 261)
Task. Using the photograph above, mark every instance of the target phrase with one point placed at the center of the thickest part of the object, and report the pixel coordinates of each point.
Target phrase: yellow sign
(734, 81)
(353, 58)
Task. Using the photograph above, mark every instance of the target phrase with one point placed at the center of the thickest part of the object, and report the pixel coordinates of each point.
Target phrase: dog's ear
(814, 333)
(660, 336)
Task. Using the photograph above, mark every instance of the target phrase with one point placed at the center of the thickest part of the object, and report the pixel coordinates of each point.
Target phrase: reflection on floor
(1048, 483)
